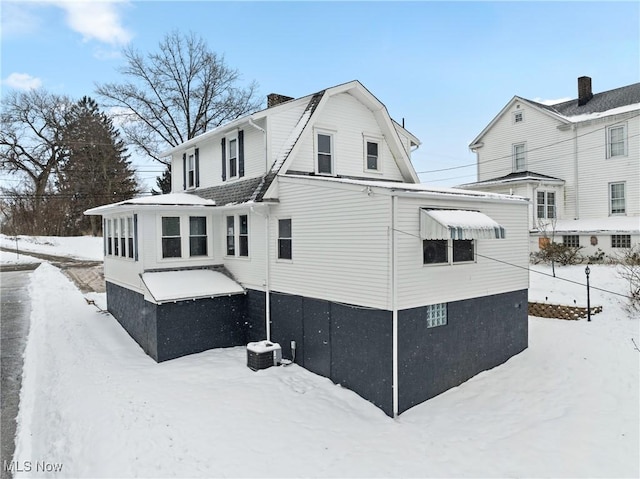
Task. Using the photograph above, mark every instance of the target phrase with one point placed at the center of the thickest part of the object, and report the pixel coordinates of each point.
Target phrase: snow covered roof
(519, 177)
(168, 286)
(611, 102)
(418, 188)
(458, 225)
(171, 199)
(610, 225)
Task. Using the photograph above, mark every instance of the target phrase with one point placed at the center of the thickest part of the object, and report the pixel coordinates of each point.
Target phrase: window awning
(167, 286)
(458, 224)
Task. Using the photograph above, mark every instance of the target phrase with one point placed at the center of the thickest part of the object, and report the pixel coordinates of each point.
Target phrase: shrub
(559, 253)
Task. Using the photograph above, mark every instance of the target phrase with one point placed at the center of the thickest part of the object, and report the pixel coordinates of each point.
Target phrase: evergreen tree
(97, 169)
(163, 182)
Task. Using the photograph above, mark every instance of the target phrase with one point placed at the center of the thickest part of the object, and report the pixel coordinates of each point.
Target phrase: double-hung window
(617, 141)
(171, 240)
(233, 157)
(238, 235)
(197, 236)
(371, 154)
(191, 170)
(130, 233)
(324, 153)
(519, 157)
(617, 202)
(546, 204)
(284, 239)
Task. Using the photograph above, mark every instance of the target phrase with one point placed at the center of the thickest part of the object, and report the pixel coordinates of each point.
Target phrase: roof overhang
(458, 225)
(168, 201)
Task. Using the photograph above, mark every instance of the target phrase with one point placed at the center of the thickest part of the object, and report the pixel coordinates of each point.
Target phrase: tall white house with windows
(305, 222)
(578, 161)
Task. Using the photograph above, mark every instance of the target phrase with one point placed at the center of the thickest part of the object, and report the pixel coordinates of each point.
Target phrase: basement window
(436, 315)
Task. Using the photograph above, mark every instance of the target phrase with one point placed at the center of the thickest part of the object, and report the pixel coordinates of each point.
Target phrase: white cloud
(96, 20)
(22, 81)
(18, 19)
(551, 102)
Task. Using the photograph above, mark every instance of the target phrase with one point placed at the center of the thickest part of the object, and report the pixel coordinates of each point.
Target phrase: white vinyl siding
(341, 243)
(349, 119)
(419, 284)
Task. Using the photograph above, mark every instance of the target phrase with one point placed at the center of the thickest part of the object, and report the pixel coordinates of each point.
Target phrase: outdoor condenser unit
(263, 355)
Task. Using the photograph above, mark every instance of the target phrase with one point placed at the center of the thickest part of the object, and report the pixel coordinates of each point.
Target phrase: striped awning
(458, 225)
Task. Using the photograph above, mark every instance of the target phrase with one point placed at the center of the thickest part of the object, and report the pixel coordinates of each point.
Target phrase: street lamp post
(587, 271)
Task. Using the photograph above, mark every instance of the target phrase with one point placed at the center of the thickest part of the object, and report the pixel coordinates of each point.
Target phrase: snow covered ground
(94, 405)
(80, 247)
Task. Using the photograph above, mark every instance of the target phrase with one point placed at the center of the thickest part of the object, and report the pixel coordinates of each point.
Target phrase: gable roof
(611, 102)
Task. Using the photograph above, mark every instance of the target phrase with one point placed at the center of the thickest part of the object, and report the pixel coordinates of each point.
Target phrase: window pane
(462, 250)
(284, 228)
(616, 141)
(284, 248)
(372, 148)
(244, 245)
(324, 163)
(171, 248)
(231, 245)
(197, 225)
(324, 144)
(233, 171)
(372, 155)
(130, 247)
(170, 226)
(434, 251)
(198, 246)
(244, 226)
(232, 149)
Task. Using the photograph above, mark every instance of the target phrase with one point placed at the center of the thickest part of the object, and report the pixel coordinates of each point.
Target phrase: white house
(579, 162)
(305, 222)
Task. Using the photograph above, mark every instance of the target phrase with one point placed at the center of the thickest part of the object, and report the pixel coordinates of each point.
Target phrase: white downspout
(575, 166)
(267, 219)
(394, 301)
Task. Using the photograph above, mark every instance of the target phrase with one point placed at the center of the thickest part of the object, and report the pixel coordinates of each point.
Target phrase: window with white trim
(284, 239)
(436, 315)
(130, 233)
(621, 241)
(324, 153)
(546, 204)
(572, 241)
(232, 157)
(436, 251)
(171, 239)
(191, 170)
(238, 235)
(197, 236)
(616, 140)
(372, 150)
(519, 157)
(120, 237)
(617, 201)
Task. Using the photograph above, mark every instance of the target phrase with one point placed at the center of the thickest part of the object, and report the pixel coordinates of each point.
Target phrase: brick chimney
(274, 99)
(584, 90)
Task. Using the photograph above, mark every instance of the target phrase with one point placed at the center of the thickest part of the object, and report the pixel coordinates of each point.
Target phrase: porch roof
(458, 224)
(169, 286)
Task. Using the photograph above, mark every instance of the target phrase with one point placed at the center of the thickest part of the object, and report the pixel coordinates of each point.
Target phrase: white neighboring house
(578, 161)
(305, 223)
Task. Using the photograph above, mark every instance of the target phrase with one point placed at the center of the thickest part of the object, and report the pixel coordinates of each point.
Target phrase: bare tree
(31, 135)
(176, 93)
(31, 141)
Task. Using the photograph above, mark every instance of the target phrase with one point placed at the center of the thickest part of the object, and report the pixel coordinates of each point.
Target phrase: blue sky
(447, 68)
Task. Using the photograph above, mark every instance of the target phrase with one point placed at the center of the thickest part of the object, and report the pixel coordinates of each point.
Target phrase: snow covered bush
(629, 270)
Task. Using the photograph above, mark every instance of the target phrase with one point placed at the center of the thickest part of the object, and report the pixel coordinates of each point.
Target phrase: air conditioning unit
(263, 355)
